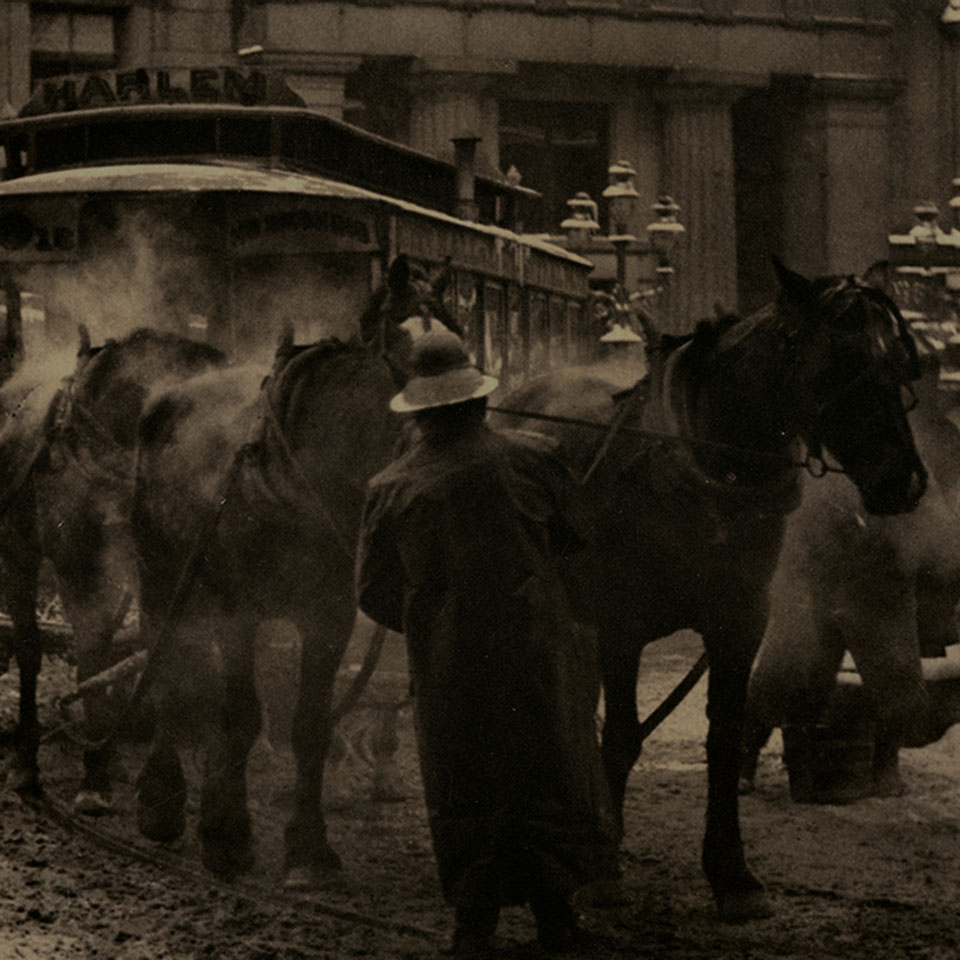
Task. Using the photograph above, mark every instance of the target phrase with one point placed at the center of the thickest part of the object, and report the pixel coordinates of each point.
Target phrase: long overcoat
(457, 551)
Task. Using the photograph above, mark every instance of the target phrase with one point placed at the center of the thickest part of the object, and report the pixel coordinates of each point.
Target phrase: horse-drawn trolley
(213, 203)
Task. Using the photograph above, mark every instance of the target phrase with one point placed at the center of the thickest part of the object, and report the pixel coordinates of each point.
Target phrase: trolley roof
(215, 177)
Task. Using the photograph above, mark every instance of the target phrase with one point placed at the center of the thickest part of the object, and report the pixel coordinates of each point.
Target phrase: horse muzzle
(894, 493)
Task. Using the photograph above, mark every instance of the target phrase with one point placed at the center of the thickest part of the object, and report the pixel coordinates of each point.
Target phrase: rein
(272, 422)
(809, 463)
(175, 609)
(26, 468)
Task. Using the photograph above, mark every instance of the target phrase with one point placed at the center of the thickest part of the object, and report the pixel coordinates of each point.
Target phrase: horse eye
(908, 397)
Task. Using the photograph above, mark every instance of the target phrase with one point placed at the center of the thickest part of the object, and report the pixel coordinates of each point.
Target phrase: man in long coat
(457, 552)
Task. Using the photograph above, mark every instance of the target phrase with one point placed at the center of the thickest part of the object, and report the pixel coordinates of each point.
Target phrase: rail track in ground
(304, 904)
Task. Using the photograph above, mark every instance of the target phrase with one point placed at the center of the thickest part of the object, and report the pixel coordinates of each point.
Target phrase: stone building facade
(805, 128)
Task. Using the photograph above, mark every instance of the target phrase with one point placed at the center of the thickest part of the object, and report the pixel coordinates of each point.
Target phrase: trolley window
(516, 345)
(578, 344)
(469, 314)
(558, 330)
(494, 330)
(539, 348)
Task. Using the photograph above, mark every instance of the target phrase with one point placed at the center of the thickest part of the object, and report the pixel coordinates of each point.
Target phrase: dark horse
(262, 483)
(691, 490)
(68, 450)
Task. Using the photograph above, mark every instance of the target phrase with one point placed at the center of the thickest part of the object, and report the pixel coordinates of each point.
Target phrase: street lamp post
(621, 258)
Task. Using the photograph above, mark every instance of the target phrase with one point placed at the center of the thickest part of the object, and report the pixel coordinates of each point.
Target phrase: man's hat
(442, 375)
(619, 333)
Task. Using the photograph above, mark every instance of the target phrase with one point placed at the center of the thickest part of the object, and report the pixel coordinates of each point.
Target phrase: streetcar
(213, 202)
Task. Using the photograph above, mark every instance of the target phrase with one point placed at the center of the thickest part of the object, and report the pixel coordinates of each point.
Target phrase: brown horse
(261, 482)
(68, 448)
(691, 489)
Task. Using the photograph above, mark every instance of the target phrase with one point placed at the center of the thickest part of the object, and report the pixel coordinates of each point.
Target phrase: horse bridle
(846, 288)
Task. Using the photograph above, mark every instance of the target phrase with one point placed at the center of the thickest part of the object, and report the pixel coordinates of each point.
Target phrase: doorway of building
(759, 176)
(559, 149)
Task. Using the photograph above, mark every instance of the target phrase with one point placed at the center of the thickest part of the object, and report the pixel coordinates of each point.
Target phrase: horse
(261, 482)
(68, 448)
(689, 490)
(885, 589)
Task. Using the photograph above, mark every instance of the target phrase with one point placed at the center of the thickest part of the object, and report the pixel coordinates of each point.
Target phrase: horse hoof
(24, 781)
(603, 895)
(741, 906)
(228, 863)
(326, 871)
(92, 803)
(888, 786)
(390, 788)
(299, 878)
(162, 825)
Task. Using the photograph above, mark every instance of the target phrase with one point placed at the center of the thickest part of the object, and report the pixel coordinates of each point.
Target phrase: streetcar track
(822, 893)
(251, 891)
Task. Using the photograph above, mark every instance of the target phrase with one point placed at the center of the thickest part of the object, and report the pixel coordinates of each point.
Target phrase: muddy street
(877, 879)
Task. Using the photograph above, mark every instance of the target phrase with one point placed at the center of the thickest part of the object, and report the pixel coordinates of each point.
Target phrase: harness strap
(674, 697)
(26, 468)
(626, 408)
(177, 604)
(271, 420)
(22, 475)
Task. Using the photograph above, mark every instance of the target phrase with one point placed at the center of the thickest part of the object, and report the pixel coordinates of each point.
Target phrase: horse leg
(224, 826)
(326, 632)
(887, 655)
(388, 783)
(96, 575)
(755, 737)
(739, 895)
(621, 743)
(94, 796)
(161, 788)
(21, 564)
(162, 793)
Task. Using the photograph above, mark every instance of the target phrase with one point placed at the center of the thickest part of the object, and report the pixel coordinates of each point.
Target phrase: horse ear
(443, 278)
(878, 275)
(398, 277)
(83, 335)
(285, 340)
(793, 285)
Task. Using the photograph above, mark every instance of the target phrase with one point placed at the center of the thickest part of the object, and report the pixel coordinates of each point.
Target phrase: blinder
(872, 324)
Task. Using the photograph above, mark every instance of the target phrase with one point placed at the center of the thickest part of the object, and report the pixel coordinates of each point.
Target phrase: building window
(558, 148)
(70, 41)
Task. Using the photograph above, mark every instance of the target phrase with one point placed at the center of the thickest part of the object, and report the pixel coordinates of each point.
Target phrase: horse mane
(103, 362)
(294, 364)
(704, 339)
(370, 318)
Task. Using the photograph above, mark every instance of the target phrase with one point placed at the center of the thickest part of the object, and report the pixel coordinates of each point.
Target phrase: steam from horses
(153, 267)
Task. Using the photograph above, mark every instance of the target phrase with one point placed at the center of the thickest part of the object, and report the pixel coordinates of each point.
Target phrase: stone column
(849, 117)
(836, 161)
(14, 55)
(455, 97)
(320, 78)
(697, 170)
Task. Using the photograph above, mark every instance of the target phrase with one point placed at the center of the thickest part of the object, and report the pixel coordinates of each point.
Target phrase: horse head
(854, 361)
(406, 305)
(112, 381)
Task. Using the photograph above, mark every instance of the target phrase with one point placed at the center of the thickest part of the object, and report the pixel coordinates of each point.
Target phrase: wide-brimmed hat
(618, 333)
(442, 375)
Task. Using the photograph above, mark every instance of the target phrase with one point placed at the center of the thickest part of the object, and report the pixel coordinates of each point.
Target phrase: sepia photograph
(479, 479)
